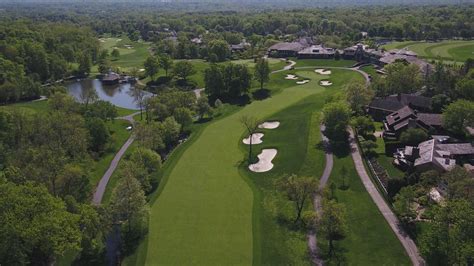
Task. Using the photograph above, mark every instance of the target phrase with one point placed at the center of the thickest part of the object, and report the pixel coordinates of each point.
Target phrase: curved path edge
(312, 241)
(102, 185)
(408, 244)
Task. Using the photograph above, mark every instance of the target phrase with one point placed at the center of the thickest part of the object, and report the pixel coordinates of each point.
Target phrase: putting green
(204, 214)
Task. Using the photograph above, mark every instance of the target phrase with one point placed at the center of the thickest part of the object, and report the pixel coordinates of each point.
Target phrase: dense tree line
(228, 81)
(45, 180)
(172, 31)
(34, 53)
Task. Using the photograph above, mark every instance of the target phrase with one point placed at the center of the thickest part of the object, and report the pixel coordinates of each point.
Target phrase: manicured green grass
(324, 62)
(124, 112)
(274, 63)
(214, 221)
(369, 70)
(452, 51)
(297, 139)
(28, 107)
(398, 45)
(129, 58)
(370, 240)
(385, 160)
(204, 213)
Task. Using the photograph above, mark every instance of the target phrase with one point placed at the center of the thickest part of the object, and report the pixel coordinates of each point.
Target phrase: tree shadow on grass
(261, 94)
(338, 256)
(340, 148)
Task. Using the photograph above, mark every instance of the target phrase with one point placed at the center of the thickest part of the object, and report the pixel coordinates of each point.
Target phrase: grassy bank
(370, 240)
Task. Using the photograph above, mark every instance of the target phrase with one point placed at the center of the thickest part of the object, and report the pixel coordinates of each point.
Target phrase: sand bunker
(323, 71)
(302, 82)
(325, 83)
(264, 163)
(293, 77)
(141, 70)
(269, 125)
(256, 139)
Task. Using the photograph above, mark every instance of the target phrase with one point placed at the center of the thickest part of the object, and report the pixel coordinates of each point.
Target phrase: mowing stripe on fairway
(204, 213)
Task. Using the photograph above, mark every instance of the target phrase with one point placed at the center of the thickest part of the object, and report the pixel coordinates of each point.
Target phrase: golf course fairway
(203, 215)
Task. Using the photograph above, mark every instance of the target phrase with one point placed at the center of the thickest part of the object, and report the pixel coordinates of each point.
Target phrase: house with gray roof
(380, 107)
(435, 154)
(405, 118)
(289, 49)
(316, 52)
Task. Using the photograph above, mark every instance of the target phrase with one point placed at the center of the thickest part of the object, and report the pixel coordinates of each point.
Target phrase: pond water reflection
(121, 95)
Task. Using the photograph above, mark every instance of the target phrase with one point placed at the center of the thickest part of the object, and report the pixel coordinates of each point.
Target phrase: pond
(121, 95)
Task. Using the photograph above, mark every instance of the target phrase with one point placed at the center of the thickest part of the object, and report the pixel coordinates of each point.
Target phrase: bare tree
(251, 125)
(140, 98)
(88, 95)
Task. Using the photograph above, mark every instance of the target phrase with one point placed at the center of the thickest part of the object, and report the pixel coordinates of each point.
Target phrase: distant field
(132, 54)
(456, 51)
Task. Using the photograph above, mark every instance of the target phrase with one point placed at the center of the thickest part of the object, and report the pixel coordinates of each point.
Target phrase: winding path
(100, 189)
(390, 217)
(312, 242)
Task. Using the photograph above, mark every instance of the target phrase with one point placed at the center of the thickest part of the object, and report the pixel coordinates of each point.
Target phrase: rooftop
(317, 49)
(396, 102)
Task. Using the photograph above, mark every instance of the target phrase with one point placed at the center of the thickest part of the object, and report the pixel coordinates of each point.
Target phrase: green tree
(369, 146)
(404, 205)
(152, 66)
(128, 207)
(364, 125)
(148, 158)
(333, 223)
(413, 136)
(104, 66)
(171, 130)
(403, 78)
(336, 117)
(184, 69)
(74, 181)
(214, 80)
(35, 226)
(262, 71)
(166, 63)
(115, 53)
(220, 49)
(84, 63)
(465, 86)
(298, 190)
(98, 132)
(448, 240)
(150, 136)
(458, 115)
(203, 108)
(358, 95)
(183, 116)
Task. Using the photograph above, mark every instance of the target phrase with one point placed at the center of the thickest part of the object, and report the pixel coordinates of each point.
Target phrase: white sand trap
(256, 139)
(325, 83)
(141, 70)
(302, 82)
(269, 125)
(323, 71)
(264, 161)
(293, 77)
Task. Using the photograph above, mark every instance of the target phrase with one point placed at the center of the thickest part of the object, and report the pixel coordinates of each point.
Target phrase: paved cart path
(312, 242)
(100, 189)
(383, 207)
